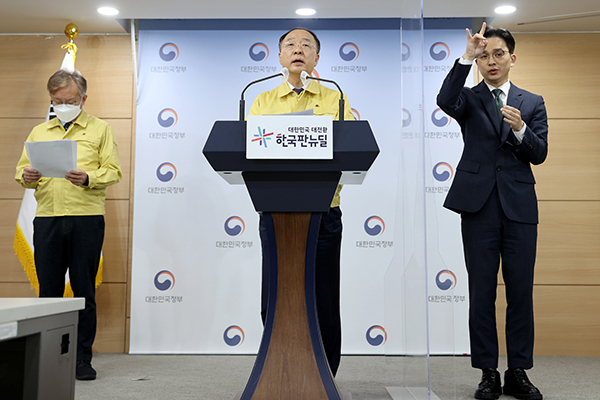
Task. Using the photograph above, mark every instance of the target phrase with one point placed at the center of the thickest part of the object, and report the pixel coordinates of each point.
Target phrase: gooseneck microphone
(284, 74)
(305, 75)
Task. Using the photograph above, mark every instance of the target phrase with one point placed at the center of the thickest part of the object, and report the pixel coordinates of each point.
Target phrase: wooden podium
(292, 194)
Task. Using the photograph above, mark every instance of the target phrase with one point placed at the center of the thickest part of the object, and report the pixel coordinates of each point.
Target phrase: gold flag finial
(71, 31)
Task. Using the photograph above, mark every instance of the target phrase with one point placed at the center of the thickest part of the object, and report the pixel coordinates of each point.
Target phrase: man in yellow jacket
(69, 221)
(299, 51)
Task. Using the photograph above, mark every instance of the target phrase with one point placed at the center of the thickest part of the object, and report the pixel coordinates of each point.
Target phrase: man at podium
(299, 51)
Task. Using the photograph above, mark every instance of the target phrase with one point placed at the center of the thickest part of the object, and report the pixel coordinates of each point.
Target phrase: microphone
(305, 75)
(284, 74)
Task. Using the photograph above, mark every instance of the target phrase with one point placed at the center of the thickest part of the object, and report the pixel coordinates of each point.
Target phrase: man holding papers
(298, 52)
(69, 222)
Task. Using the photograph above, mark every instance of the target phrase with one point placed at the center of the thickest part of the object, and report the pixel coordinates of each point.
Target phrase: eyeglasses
(497, 54)
(304, 46)
(69, 102)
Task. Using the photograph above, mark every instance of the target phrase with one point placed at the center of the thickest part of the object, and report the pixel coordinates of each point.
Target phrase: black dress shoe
(518, 385)
(84, 371)
(489, 388)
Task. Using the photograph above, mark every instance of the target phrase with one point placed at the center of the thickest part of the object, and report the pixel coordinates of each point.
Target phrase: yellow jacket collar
(81, 120)
(285, 89)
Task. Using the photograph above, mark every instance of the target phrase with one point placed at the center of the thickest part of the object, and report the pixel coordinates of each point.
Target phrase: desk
(38, 347)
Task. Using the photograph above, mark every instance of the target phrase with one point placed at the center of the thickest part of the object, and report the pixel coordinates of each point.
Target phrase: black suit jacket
(491, 156)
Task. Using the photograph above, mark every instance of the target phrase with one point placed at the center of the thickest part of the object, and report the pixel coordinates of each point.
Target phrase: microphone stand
(243, 102)
(307, 76)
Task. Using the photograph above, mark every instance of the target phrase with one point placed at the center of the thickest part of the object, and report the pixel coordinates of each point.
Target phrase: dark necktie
(67, 125)
(499, 104)
(297, 90)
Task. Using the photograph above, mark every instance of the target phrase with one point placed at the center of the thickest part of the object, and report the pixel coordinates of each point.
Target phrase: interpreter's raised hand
(31, 175)
(475, 44)
(77, 177)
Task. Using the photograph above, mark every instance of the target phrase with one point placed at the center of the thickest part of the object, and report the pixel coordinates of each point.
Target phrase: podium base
(345, 395)
(411, 393)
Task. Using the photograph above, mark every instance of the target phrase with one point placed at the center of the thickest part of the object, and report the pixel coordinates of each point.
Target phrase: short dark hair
(318, 43)
(502, 34)
(63, 78)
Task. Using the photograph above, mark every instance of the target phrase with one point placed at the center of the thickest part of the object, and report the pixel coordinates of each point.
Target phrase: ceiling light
(108, 11)
(505, 10)
(306, 11)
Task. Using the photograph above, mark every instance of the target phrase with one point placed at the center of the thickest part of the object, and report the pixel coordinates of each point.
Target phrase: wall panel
(571, 170)
(568, 243)
(570, 82)
(566, 317)
(28, 61)
(9, 264)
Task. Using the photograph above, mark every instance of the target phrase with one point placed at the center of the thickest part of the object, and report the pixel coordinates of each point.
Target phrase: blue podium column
(291, 362)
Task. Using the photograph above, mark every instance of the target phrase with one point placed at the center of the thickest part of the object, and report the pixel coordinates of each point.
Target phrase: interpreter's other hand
(475, 44)
(512, 116)
(77, 177)
(31, 175)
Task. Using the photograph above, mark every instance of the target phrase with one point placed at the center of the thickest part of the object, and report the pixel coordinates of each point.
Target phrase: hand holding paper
(77, 177)
(31, 175)
(52, 159)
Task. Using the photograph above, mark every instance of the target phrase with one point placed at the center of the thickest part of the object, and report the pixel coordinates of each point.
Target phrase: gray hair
(62, 78)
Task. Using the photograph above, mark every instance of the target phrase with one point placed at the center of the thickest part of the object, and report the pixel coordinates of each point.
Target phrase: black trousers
(73, 243)
(327, 282)
(488, 237)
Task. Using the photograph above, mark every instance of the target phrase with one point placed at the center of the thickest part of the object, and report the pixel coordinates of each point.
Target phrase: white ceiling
(42, 16)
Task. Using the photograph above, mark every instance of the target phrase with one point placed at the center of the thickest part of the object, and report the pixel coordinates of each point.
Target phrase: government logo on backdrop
(374, 226)
(167, 117)
(439, 118)
(442, 171)
(406, 122)
(349, 51)
(376, 335)
(162, 281)
(234, 336)
(439, 51)
(406, 118)
(169, 52)
(234, 226)
(405, 52)
(166, 172)
(445, 280)
(258, 52)
(356, 114)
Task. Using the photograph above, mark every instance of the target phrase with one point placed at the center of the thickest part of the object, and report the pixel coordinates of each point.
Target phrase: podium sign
(296, 137)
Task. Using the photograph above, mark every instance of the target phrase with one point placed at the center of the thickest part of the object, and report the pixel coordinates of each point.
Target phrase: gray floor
(173, 377)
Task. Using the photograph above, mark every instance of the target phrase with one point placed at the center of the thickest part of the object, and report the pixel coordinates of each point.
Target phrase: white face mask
(67, 112)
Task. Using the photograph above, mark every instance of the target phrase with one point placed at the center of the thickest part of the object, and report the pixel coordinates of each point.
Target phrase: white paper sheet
(54, 158)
